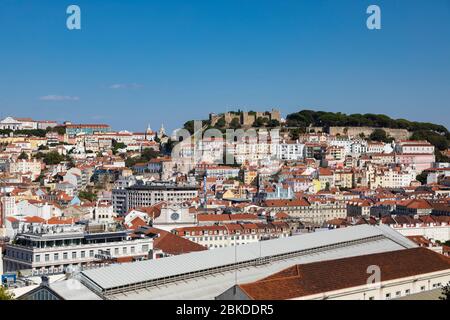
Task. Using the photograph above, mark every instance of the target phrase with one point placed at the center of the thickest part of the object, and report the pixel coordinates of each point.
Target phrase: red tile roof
(314, 278)
(287, 203)
(172, 244)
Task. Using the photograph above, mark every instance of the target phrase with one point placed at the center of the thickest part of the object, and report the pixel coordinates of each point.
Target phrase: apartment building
(90, 129)
(222, 172)
(414, 147)
(31, 167)
(290, 150)
(58, 248)
(312, 212)
(393, 178)
(150, 194)
(233, 234)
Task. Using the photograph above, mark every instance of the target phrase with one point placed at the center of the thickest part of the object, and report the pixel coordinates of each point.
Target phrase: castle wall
(398, 134)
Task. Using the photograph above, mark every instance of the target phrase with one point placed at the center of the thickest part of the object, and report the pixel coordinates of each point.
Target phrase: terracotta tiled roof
(56, 220)
(136, 223)
(34, 220)
(314, 278)
(172, 244)
(287, 203)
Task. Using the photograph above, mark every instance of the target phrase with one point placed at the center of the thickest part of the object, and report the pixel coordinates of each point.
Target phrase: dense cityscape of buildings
(93, 203)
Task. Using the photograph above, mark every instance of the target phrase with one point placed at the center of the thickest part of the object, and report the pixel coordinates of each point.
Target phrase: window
(65, 256)
(116, 251)
(56, 257)
(38, 258)
(388, 295)
(422, 288)
(83, 254)
(398, 293)
(74, 255)
(132, 250)
(407, 291)
(124, 250)
(91, 253)
(145, 248)
(47, 257)
(371, 298)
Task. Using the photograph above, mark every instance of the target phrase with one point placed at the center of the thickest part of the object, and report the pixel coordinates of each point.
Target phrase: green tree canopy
(23, 156)
(379, 135)
(5, 294)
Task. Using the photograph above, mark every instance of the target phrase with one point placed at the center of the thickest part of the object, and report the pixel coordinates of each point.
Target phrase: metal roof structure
(357, 240)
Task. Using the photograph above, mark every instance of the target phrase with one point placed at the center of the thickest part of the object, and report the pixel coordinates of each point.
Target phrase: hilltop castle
(246, 119)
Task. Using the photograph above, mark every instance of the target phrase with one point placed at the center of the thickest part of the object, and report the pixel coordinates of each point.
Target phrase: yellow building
(250, 176)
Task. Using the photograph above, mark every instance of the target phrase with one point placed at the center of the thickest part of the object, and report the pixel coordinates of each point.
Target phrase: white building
(36, 208)
(233, 234)
(8, 205)
(438, 231)
(66, 247)
(103, 213)
(414, 147)
(290, 150)
(358, 148)
(10, 123)
(222, 172)
(393, 178)
(32, 167)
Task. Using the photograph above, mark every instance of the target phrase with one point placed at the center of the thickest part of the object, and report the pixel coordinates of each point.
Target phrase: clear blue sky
(138, 62)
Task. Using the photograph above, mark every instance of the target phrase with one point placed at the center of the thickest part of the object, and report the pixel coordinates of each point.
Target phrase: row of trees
(307, 118)
(35, 132)
(146, 155)
(53, 157)
(437, 135)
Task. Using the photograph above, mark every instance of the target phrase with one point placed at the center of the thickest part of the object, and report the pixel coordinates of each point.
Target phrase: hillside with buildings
(85, 199)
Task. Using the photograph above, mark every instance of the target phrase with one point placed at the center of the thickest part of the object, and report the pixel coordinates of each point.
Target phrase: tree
(43, 147)
(189, 126)
(23, 156)
(87, 195)
(149, 154)
(273, 123)
(235, 124)
(261, 122)
(5, 294)
(422, 178)
(117, 145)
(379, 135)
(220, 124)
(295, 133)
(146, 155)
(61, 130)
(327, 119)
(445, 293)
(51, 158)
(440, 157)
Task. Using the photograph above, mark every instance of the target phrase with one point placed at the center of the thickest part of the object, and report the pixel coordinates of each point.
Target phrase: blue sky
(138, 62)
